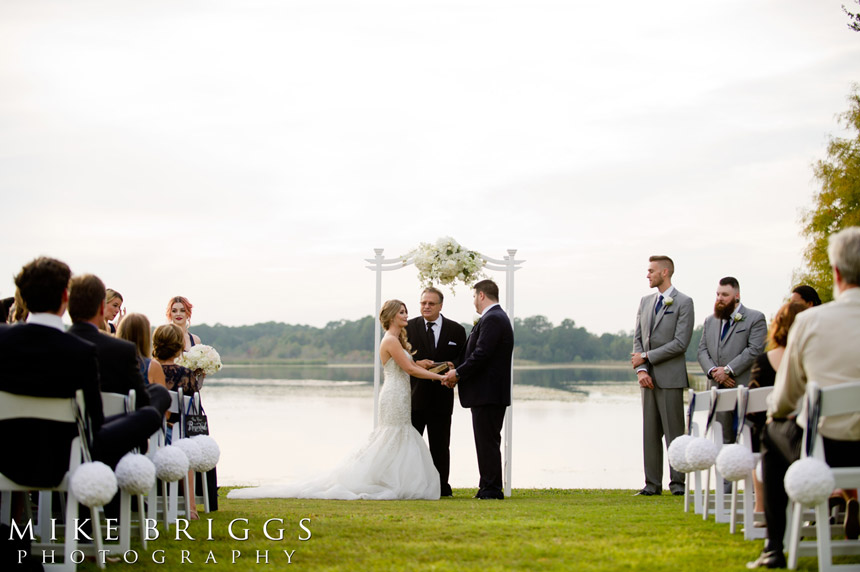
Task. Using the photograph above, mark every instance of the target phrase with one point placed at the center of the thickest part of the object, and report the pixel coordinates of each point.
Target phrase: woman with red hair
(179, 313)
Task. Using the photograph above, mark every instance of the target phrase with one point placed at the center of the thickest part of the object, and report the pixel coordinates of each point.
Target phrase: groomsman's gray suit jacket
(665, 336)
(744, 341)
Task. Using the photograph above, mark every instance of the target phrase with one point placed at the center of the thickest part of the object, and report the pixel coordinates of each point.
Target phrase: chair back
(118, 403)
(62, 409)
(699, 401)
(841, 399)
(178, 403)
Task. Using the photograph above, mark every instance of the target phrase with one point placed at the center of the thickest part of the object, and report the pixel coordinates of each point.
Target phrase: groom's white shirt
(488, 308)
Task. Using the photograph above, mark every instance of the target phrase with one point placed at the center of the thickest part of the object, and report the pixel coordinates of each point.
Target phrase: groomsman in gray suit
(664, 326)
(732, 338)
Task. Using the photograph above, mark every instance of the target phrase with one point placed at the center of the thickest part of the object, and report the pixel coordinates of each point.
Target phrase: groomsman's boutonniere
(668, 301)
(738, 317)
(476, 319)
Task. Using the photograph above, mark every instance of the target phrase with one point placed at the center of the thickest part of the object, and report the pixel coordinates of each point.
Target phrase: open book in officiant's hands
(439, 367)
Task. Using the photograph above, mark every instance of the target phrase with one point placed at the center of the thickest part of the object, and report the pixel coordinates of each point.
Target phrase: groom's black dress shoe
(768, 559)
(490, 496)
(648, 493)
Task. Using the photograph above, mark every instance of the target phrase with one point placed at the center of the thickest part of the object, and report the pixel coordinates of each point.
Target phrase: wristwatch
(644, 355)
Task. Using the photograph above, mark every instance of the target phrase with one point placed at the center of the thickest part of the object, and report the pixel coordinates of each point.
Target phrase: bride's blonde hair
(389, 311)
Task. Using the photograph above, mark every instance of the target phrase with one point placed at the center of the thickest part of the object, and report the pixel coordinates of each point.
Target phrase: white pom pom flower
(701, 453)
(678, 453)
(171, 464)
(209, 451)
(735, 462)
(809, 481)
(192, 451)
(93, 484)
(135, 474)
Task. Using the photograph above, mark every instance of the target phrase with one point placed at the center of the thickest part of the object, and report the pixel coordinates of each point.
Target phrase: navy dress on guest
(761, 375)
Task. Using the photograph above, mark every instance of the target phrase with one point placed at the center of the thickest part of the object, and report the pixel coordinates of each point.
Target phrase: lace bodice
(395, 407)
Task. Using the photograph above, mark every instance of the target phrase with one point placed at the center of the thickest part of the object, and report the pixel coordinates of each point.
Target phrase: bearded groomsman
(664, 326)
(732, 338)
(435, 338)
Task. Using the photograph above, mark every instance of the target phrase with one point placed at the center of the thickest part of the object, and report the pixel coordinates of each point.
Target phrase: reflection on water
(572, 427)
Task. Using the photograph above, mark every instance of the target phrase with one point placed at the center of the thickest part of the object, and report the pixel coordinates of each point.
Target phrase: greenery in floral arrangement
(446, 263)
(535, 529)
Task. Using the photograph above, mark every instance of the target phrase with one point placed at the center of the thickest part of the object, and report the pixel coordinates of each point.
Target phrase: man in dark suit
(119, 370)
(485, 384)
(664, 326)
(39, 358)
(435, 338)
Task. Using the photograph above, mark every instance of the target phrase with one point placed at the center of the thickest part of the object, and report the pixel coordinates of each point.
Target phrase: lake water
(572, 427)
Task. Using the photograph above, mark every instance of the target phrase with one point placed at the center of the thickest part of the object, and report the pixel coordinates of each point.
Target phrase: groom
(485, 377)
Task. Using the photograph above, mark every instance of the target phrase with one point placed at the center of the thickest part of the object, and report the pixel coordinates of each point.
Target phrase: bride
(395, 462)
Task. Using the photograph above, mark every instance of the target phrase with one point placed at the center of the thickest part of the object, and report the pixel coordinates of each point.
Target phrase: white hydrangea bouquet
(200, 359)
(446, 262)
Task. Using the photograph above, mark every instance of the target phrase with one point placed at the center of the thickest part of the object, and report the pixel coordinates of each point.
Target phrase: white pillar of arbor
(508, 264)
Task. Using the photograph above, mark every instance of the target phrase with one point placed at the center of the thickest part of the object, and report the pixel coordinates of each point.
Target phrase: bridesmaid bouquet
(201, 359)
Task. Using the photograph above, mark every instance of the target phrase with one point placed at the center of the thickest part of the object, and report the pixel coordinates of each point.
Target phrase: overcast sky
(250, 154)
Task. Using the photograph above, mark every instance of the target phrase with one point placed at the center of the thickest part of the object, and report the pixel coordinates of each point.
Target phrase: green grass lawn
(533, 530)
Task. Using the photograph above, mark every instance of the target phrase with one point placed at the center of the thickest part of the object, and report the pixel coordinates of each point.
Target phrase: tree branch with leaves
(837, 204)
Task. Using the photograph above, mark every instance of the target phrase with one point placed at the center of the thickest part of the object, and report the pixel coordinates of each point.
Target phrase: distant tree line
(345, 341)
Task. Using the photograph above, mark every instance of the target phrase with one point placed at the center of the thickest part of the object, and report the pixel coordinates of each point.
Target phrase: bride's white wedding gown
(395, 462)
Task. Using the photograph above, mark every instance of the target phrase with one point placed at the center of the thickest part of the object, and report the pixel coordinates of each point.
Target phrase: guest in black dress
(763, 374)
(113, 310)
(167, 345)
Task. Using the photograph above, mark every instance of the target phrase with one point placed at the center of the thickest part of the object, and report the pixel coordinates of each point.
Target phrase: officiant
(435, 339)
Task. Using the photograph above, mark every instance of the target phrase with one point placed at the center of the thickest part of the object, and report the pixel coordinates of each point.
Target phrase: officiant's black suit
(485, 388)
(43, 361)
(119, 370)
(432, 402)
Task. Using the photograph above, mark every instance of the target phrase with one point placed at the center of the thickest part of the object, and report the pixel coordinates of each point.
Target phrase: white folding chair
(749, 401)
(700, 402)
(116, 404)
(169, 498)
(828, 401)
(724, 400)
(64, 410)
(192, 403)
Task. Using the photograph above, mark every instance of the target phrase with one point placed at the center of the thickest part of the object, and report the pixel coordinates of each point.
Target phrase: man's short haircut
(665, 261)
(42, 283)
(432, 290)
(843, 250)
(730, 281)
(86, 294)
(808, 294)
(489, 288)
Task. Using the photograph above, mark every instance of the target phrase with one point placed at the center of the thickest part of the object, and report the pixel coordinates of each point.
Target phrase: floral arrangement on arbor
(446, 262)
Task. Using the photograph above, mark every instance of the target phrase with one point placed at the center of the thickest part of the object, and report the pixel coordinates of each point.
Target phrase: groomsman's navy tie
(725, 331)
(659, 304)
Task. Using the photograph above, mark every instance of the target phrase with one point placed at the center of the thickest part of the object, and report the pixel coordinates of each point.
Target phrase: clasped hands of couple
(449, 379)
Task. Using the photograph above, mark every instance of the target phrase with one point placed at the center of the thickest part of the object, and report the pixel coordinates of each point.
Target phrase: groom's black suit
(485, 388)
(432, 402)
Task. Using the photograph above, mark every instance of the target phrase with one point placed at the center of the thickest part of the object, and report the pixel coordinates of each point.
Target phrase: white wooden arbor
(508, 264)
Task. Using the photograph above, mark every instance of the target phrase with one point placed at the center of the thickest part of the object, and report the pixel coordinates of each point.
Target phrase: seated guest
(135, 329)
(763, 374)
(39, 358)
(168, 343)
(119, 370)
(822, 346)
(113, 309)
(805, 295)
